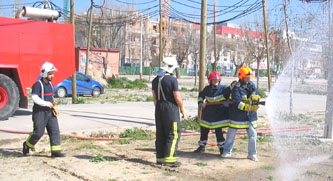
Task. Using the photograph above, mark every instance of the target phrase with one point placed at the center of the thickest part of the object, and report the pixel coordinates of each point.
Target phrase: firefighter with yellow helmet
(243, 114)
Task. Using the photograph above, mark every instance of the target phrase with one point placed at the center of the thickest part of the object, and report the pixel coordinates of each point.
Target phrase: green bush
(137, 134)
(123, 82)
(79, 100)
(262, 93)
(190, 123)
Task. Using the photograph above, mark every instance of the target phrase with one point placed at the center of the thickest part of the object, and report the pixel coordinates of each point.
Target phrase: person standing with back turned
(43, 114)
(167, 101)
(243, 115)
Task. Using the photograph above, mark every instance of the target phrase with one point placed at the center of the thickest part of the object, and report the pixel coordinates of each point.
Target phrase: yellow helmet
(245, 72)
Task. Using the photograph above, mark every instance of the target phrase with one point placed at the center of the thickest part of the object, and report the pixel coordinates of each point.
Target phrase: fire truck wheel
(9, 97)
(61, 92)
(96, 92)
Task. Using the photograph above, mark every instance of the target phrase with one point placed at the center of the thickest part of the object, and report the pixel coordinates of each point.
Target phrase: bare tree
(181, 46)
(194, 52)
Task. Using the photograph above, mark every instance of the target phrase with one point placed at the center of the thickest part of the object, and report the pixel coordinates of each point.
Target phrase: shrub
(191, 123)
(125, 83)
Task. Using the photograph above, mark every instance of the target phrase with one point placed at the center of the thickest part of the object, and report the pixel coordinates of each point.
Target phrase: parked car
(84, 86)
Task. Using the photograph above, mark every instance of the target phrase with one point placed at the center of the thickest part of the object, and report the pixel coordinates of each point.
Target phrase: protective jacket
(167, 118)
(43, 117)
(241, 93)
(214, 116)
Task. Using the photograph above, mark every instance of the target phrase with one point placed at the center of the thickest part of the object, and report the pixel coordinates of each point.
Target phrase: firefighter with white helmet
(213, 116)
(167, 101)
(243, 115)
(44, 114)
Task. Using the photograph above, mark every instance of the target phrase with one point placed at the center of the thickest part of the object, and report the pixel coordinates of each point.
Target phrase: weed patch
(120, 142)
(191, 123)
(100, 158)
(263, 139)
(79, 100)
(137, 134)
(270, 178)
(312, 173)
(200, 164)
(89, 146)
(126, 83)
(267, 167)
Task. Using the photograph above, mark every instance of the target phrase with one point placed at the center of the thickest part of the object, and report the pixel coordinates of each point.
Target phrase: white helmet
(46, 68)
(169, 64)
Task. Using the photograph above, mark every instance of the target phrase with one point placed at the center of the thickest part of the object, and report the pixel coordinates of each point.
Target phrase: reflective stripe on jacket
(238, 117)
(214, 116)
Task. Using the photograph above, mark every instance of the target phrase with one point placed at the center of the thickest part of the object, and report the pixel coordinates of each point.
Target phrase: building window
(154, 27)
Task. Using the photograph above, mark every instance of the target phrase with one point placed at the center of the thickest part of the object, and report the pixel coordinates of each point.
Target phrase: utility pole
(328, 128)
(215, 57)
(89, 35)
(74, 75)
(141, 48)
(203, 29)
(160, 38)
(264, 3)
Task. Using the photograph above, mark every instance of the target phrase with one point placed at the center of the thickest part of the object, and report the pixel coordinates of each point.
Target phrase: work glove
(255, 97)
(55, 109)
(182, 110)
(249, 107)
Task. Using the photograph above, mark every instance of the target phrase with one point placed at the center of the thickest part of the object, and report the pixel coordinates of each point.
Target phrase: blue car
(84, 86)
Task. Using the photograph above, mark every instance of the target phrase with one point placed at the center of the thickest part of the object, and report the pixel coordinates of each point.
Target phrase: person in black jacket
(42, 113)
(213, 116)
(167, 102)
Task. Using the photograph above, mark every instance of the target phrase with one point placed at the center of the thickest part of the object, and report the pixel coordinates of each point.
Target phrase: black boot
(200, 149)
(25, 149)
(172, 164)
(221, 150)
(57, 154)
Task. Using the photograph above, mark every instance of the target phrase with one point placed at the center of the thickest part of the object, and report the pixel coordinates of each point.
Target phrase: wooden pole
(161, 36)
(328, 128)
(74, 75)
(264, 2)
(203, 29)
(89, 35)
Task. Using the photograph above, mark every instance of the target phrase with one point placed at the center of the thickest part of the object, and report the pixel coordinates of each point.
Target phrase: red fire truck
(24, 46)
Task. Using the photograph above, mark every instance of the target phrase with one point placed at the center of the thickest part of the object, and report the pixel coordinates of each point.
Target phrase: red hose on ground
(67, 135)
(259, 133)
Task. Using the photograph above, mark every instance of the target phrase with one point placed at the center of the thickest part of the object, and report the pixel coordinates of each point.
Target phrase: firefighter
(242, 113)
(43, 115)
(213, 116)
(167, 102)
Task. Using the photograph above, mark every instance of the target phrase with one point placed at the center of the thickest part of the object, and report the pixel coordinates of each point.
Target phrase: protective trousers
(44, 119)
(168, 131)
(204, 136)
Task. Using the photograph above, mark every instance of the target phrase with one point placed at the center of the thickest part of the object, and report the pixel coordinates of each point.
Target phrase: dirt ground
(135, 160)
(302, 156)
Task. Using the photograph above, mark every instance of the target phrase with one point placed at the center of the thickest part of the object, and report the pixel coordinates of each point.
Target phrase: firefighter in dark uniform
(43, 115)
(167, 102)
(213, 116)
(243, 114)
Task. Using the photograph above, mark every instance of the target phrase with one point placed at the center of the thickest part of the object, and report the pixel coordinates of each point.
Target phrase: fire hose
(67, 135)
(231, 102)
(264, 131)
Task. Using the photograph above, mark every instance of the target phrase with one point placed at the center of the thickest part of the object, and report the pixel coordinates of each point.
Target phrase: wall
(104, 63)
